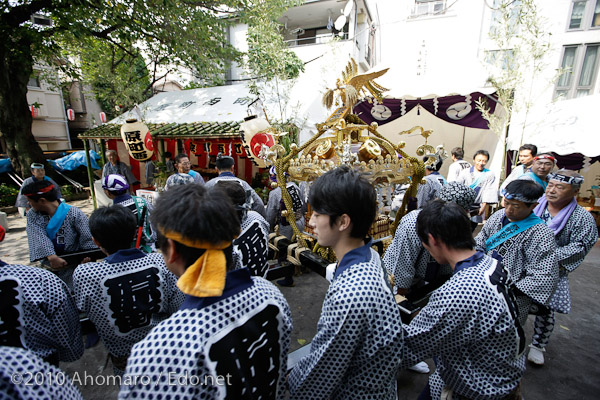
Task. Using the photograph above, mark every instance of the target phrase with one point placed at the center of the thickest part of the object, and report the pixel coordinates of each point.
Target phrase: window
(585, 14)
(504, 13)
(34, 81)
(580, 66)
(428, 7)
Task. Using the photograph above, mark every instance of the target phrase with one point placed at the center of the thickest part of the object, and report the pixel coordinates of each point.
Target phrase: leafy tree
(173, 33)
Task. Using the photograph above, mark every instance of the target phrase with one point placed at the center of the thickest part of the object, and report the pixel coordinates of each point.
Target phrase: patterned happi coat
(257, 203)
(275, 206)
(242, 336)
(358, 346)
(486, 190)
(529, 256)
(38, 313)
(574, 242)
(251, 247)
(406, 258)
(125, 296)
(51, 383)
(428, 191)
(469, 325)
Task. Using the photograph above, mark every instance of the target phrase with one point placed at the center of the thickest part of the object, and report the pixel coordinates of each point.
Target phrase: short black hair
(482, 152)
(224, 162)
(197, 214)
(345, 191)
(113, 227)
(447, 222)
(32, 189)
(526, 188)
(167, 154)
(179, 156)
(235, 192)
(458, 152)
(435, 167)
(531, 147)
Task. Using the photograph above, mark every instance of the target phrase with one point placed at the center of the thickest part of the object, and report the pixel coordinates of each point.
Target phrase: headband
(545, 156)
(41, 191)
(518, 197)
(37, 166)
(206, 276)
(115, 183)
(571, 180)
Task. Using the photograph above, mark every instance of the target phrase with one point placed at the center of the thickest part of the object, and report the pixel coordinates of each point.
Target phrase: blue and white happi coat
(38, 313)
(406, 258)
(358, 346)
(37, 379)
(529, 256)
(240, 339)
(275, 206)
(573, 242)
(251, 247)
(257, 203)
(428, 191)
(125, 296)
(486, 190)
(469, 326)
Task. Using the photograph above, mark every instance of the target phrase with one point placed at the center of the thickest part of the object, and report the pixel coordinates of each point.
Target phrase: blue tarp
(5, 165)
(74, 160)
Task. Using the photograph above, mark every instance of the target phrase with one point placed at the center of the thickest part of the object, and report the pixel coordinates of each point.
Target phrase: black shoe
(287, 281)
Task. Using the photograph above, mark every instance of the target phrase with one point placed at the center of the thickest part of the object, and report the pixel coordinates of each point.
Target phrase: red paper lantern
(35, 112)
(71, 114)
(103, 117)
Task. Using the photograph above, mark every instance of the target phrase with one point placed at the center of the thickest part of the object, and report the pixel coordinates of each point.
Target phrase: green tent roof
(199, 130)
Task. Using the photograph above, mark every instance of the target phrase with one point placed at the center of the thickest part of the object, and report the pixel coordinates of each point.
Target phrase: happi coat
(484, 187)
(38, 313)
(529, 256)
(125, 296)
(358, 346)
(275, 205)
(251, 247)
(257, 203)
(469, 325)
(428, 191)
(242, 336)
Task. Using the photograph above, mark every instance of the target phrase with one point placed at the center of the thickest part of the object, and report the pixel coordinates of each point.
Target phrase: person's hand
(85, 260)
(56, 262)
(403, 291)
(482, 209)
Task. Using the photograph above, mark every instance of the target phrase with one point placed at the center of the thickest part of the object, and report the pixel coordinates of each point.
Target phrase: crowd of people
(181, 290)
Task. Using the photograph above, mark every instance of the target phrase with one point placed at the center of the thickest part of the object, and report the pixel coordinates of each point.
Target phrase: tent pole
(162, 150)
(103, 152)
(463, 139)
(86, 147)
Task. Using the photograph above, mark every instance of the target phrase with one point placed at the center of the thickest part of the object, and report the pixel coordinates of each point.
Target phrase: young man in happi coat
(542, 165)
(129, 292)
(524, 244)
(231, 336)
(276, 205)
(470, 324)
(225, 168)
(575, 233)
(482, 181)
(54, 229)
(357, 349)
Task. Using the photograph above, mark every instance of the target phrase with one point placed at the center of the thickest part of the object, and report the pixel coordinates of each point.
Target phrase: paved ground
(572, 369)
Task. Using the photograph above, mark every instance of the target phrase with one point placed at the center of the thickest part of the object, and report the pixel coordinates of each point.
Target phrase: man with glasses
(542, 165)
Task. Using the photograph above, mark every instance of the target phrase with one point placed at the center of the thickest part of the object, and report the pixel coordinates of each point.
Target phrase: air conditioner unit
(39, 19)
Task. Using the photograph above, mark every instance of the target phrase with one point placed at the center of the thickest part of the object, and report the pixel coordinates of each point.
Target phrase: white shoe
(536, 355)
(420, 367)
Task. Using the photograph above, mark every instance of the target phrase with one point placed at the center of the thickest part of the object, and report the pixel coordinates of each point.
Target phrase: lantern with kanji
(256, 133)
(138, 140)
(71, 114)
(103, 117)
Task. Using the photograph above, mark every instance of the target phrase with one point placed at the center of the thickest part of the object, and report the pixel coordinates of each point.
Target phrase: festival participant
(116, 188)
(406, 258)
(38, 173)
(458, 165)
(25, 376)
(276, 205)
(178, 179)
(252, 245)
(542, 165)
(481, 180)
(183, 166)
(225, 169)
(54, 229)
(433, 184)
(527, 152)
(116, 167)
(38, 313)
(524, 244)
(358, 346)
(470, 323)
(575, 233)
(152, 169)
(129, 292)
(230, 338)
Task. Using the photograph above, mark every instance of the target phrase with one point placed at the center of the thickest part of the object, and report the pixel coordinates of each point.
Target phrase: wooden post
(86, 148)
(162, 150)
(102, 152)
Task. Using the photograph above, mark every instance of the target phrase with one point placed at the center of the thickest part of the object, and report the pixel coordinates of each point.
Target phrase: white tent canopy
(564, 127)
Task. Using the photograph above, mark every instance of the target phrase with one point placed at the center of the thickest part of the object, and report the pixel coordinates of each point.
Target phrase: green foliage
(8, 195)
